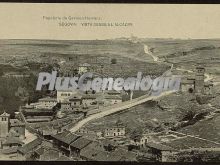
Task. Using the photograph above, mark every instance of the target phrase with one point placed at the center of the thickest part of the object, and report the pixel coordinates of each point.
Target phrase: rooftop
(187, 81)
(13, 140)
(5, 114)
(89, 96)
(80, 143)
(48, 99)
(159, 147)
(66, 137)
(30, 146)
(16, 122)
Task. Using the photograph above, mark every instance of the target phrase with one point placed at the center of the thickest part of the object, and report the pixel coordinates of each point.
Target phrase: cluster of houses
(68, 102)
(12, 132)
(104, 146)
(70, 146)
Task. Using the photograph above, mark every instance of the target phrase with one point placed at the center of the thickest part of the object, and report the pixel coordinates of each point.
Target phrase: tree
(113, 61)
(136, 134)
(1, 73)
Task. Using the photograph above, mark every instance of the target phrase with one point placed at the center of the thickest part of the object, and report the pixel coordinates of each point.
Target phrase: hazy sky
(25, 21)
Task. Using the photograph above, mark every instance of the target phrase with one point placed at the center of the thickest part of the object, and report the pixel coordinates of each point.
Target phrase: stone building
(4, 124)
(199, 79)
(197, 84)
(12, 132)
(117, 130)
(46, 103)
(11, 127)
(62, 95)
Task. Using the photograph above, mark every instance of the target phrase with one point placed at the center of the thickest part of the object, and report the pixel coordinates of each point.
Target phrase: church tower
(199, 79)
(4, 124)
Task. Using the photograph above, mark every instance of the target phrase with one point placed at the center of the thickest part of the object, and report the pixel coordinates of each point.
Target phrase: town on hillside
(110, 125)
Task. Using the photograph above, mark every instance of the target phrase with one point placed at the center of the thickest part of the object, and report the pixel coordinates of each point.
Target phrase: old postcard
(110, 82)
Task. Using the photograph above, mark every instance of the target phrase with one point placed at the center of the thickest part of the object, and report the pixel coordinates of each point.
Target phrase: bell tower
(199, 79)
(4, 124)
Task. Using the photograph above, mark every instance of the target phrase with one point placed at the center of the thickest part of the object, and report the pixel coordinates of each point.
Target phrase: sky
(25, 21)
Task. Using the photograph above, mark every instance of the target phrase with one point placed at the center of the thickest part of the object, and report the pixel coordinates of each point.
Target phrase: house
(47, 131)
(197, 84)
(76, 101)
(46, 154)
(12, 142)
(188, 85)
(95, 152)
(18, 127)
(27, 149)
(117, 130)
(72, 102)
(160, 151)
(78, 145)
(141, 142)
(62, 95)
(37, 115)
(112, 99)
(46, 103)
(208, 88)
(63, 140)
(89, 100)
(66, 105)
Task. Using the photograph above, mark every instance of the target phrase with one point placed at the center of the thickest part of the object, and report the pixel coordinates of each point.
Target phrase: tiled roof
(66, 137)
(51, 154)
(5, 114)
(89, 96)
(187, 81)
(75, 97)
(30, 146)
(80, 143)
(10, 150)
(40, 151)
(160, 147)
(13, 140)
(16, 122)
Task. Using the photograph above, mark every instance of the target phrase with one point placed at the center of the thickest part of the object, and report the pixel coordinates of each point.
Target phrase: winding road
(131, 103)
(116, 108)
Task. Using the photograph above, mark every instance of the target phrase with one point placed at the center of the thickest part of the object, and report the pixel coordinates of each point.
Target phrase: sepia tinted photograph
(110, 82)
